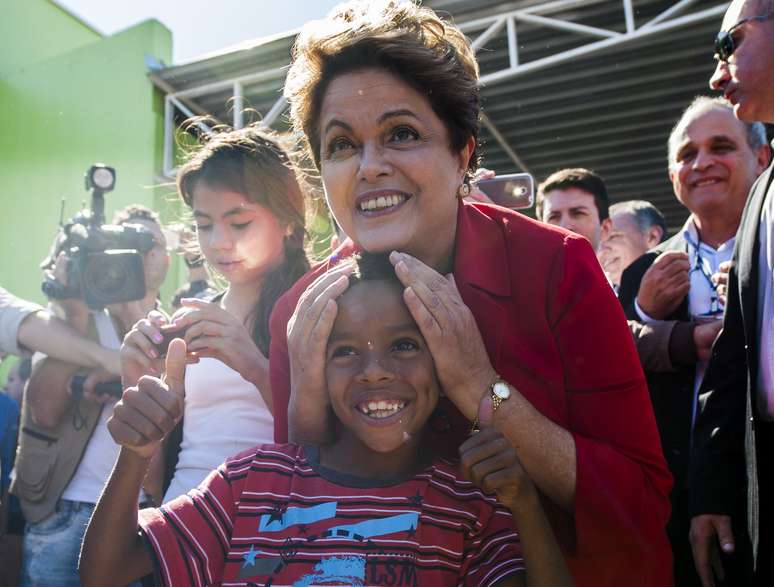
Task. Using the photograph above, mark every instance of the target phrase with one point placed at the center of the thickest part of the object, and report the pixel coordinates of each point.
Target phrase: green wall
(33, 30)
(61, 112)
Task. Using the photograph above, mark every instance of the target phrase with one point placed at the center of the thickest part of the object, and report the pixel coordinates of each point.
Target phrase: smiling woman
(386, 95)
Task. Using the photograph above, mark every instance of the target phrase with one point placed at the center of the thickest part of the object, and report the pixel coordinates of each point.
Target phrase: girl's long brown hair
(252, 162)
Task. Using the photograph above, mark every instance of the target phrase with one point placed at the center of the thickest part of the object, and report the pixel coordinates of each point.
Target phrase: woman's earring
(463, 191)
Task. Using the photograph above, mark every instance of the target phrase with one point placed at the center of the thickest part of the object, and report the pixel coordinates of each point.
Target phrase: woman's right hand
(148, 411)
(308, 330)
(139, 355)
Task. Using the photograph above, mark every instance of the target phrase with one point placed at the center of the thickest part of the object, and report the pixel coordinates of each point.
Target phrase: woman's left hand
(210, 331)
(450, 330)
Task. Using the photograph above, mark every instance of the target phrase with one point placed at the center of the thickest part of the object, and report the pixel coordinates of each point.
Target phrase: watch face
(501, 390)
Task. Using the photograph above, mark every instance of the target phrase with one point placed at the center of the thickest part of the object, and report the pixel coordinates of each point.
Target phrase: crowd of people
(458, 394)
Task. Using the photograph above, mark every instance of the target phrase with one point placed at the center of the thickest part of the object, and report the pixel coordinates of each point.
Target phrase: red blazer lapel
(482, 273)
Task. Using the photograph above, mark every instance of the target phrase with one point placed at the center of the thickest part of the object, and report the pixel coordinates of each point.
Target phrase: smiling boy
(371, 508)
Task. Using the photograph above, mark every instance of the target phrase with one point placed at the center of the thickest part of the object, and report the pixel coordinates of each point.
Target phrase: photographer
(66, 453)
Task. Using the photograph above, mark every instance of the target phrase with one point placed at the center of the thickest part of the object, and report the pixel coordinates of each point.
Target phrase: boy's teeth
(382, 202)
(381, 408)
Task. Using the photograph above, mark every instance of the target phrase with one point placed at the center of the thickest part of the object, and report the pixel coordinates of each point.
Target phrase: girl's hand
(308, 330)
(450, 331)
(139, 355)
(210, 331)
(146, 413)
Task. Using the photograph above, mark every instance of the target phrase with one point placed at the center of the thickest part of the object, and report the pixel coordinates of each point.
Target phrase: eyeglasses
(724, 40)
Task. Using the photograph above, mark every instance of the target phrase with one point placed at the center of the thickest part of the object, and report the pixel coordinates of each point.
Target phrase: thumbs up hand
(146, 413)
(489, 461)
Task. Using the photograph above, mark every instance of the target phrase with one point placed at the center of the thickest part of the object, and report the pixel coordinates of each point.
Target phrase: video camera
(104, 262)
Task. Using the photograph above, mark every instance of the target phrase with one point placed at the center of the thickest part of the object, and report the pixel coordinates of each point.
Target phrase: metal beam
(274, 112)
(239, 105)
(629, 16)
(170, 103)
(503, 142)
(484, 37)
(565, 25)
(513, 44)
(270, 74)
(673, 10)
(598, 46)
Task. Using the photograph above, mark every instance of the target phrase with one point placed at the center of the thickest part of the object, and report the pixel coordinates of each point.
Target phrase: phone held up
(515, 191)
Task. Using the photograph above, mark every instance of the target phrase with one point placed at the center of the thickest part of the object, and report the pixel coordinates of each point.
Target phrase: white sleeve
(643, 316)
(13, 311)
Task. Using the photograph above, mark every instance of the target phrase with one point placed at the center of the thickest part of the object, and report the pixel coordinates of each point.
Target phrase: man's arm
(718, 459)
(668, 345)
(662, 345)
(47, 392)
(42, 332)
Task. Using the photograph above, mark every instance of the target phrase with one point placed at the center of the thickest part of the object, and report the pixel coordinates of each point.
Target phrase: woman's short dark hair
(408, 41)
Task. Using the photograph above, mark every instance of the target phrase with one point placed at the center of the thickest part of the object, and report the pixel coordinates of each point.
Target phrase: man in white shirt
(713, 160)
(732, 472)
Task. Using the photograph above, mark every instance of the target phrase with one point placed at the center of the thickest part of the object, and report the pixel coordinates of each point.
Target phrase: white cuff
(641, 313)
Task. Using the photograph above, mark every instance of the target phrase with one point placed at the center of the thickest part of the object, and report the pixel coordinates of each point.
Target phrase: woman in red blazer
(522, 325)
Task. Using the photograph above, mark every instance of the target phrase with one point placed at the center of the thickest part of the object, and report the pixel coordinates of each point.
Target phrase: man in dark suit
(732, 466)
(713, 160)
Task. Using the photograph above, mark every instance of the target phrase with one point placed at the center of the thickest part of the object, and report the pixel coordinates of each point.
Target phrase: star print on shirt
(250, 557)
(416, 499)
(276, 514)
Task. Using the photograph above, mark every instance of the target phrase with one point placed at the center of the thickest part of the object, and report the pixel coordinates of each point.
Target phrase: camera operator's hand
(75, 311)
(147, 412)
(92, 380)
(139, 355)
(210, 331)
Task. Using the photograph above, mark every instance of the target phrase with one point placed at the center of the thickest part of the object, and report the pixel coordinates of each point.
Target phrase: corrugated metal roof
(610, 111)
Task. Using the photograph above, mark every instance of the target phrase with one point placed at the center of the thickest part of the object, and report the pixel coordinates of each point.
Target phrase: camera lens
(105, 276)
(112, 277)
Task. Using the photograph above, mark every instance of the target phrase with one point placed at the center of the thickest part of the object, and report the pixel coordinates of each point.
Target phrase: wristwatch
(499, 391)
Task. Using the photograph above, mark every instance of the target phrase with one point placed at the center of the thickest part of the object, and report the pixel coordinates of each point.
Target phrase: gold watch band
(499, 391)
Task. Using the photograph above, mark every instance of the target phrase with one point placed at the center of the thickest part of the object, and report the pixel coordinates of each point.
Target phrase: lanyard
(702, 265)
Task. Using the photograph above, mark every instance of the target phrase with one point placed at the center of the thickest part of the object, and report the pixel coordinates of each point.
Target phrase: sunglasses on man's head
(724, 41)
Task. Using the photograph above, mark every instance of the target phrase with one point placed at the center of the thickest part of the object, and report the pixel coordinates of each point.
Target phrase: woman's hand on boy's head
(449, 329)
(145, 414)
(308, 331)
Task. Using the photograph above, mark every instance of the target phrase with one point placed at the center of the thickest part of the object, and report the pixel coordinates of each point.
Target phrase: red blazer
(553, 329)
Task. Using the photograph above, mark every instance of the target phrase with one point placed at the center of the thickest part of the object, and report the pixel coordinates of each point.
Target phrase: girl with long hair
(248, 207)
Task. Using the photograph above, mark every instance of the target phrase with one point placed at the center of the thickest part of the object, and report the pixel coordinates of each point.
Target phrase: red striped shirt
(267, 517)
